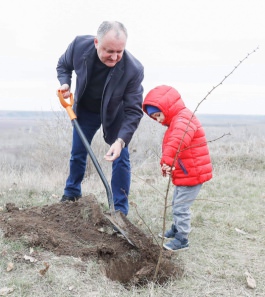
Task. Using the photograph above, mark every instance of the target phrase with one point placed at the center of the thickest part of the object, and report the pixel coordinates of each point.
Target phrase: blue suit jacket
(123, 92)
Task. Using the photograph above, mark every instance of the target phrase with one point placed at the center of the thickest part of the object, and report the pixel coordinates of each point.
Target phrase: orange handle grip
(66, 105)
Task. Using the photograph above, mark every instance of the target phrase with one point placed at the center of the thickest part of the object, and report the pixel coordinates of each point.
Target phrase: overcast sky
(191, 45)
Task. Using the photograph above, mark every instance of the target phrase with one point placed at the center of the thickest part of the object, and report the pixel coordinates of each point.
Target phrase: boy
(185, 156)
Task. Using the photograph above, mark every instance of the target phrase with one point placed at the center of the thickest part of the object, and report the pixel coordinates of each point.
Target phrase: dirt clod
(78, 229)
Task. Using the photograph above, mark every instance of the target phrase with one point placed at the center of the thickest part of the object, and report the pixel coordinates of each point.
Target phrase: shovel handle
(66, 105)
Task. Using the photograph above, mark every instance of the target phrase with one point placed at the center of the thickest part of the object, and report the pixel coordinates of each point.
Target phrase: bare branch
(221, 82)
(147, 183)
(208, 141)
(201, 199)
(137, 212)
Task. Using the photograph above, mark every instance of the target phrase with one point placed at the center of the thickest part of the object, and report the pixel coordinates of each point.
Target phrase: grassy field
(227, 241)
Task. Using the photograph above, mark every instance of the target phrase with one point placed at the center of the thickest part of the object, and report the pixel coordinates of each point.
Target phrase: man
(108, 92)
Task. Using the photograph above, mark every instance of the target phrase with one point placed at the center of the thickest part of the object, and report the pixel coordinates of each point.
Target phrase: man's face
(110, 49)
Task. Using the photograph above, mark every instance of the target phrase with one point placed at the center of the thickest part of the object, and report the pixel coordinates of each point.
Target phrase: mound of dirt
(80, 229)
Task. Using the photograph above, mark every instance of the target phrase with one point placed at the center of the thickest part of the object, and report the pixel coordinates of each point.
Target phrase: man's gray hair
(106, 26)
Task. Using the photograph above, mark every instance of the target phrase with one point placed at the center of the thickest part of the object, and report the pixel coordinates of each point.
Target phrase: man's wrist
(121, 141)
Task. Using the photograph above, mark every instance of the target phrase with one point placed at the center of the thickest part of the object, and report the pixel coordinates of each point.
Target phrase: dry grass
(228, 223)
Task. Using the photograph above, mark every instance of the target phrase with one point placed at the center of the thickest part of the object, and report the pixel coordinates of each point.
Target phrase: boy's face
(158, 116)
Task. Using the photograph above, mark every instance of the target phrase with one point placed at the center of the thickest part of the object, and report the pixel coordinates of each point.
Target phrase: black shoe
(67, 198)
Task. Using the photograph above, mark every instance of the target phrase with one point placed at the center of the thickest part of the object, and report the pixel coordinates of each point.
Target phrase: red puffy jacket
(184, 142)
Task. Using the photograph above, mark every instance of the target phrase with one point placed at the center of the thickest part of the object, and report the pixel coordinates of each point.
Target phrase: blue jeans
(121, 169)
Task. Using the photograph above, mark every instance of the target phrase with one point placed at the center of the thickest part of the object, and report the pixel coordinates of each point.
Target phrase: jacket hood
(165, 98)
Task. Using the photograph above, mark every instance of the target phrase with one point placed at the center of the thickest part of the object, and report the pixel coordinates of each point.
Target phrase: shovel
(114, 217)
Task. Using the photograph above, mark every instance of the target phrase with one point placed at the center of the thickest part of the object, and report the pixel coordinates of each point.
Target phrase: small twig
(163, 231)
(225, 134)
(208, 141)
(214, 87)
(135, 207)
(145, 182)
(201, 199)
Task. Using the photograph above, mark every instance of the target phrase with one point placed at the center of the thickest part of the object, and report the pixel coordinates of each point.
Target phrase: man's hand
(65, 91)
(114, 152)
(166, 169)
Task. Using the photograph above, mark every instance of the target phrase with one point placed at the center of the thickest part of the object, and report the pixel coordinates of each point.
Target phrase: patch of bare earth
(80, 229)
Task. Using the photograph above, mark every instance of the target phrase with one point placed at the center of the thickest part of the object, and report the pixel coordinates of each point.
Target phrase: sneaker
(67, 198)
(179, 243)
(169, 233)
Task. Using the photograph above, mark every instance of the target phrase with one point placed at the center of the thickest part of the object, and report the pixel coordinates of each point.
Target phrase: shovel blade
(117, 220)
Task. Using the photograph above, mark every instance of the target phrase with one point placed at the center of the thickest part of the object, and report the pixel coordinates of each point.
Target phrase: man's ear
(96, 42)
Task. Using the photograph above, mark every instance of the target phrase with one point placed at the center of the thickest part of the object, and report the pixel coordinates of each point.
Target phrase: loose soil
(80, 229)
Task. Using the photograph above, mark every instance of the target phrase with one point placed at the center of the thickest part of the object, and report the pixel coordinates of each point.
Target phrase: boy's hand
(166, 169)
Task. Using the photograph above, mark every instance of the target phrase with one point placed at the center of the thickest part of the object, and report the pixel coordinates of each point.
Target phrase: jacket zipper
(101, 107)
(86, 81)
(182, 166)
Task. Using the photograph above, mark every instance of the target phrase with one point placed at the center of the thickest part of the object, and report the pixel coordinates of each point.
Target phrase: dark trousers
(121, 170)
